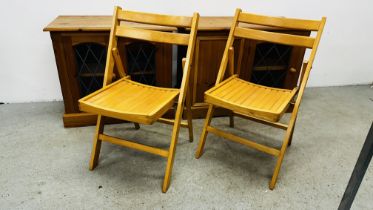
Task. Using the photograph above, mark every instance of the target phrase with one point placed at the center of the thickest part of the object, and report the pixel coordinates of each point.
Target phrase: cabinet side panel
(59, 53)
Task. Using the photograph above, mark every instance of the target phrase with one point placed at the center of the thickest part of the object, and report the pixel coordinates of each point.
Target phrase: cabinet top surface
(103, 23)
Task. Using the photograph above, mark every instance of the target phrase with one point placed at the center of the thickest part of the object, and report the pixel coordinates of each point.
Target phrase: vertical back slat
(229, 44)
(189, 57)
(108, 75)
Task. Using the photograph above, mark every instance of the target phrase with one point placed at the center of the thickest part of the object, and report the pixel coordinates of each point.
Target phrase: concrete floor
(45, 166)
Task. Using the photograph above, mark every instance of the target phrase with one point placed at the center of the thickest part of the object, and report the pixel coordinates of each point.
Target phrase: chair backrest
(162, 29)
(279, 37)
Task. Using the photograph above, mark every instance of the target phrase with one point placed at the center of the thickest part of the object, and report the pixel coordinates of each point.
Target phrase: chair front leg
(172, 149)
(202, 139)
(96, 143)
(280, 158)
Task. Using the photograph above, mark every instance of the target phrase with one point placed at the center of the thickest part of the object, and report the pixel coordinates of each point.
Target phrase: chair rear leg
(202, 139)
(137, 126)
(189, 117)
(292, 132)
(291, 138)
(96, 143)
(171, 152)
(280, 158)
(231, 120)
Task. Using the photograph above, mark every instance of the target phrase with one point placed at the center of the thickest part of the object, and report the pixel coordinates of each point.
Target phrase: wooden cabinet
(80, 43)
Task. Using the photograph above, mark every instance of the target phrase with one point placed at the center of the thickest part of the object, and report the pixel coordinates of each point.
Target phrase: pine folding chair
(256, 102)
(139, 103)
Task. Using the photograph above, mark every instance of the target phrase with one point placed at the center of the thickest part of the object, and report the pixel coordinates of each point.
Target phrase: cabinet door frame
(66, 64)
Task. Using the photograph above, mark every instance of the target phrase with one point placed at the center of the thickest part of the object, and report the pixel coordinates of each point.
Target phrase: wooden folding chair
(132, 101)
(257, 102)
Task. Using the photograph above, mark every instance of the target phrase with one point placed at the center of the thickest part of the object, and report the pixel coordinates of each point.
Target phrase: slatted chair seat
(131, 101)
(250, 99)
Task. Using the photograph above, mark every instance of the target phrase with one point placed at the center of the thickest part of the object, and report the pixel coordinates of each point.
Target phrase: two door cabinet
(80, 45)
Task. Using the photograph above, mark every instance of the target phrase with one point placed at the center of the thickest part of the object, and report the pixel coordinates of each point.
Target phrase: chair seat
(131, 101)
(250, 99)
